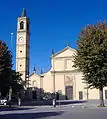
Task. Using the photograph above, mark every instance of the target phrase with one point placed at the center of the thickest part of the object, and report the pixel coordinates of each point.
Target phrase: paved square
(62, 112)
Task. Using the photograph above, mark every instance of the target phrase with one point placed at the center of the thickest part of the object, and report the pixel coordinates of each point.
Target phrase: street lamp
(11, 38)
(10, 88)
(41, 83)
(54, 90)
(41, 79)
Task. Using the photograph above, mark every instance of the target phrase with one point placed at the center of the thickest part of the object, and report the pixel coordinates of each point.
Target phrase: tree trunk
(101, 97)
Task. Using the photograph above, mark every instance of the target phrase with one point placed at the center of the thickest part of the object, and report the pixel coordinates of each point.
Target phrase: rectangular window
(68, 64)
(80, 95)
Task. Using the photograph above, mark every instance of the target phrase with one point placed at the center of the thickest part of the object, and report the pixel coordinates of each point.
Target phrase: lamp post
(11, 38)
(10, 88)
(53, 79)
(54, 98)
(54, 91)
(53, 71)
(41, 83)
(54, 83)
(41, 79)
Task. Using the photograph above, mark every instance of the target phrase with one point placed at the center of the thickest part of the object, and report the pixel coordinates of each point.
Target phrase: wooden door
(69, 92)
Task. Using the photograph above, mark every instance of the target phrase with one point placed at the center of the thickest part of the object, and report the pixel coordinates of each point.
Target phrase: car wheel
(5, 103)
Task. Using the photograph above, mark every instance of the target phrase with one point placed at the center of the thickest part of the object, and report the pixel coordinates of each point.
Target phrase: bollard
(54, 103)
(19, 102)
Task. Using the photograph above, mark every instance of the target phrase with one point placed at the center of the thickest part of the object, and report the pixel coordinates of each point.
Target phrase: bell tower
(23, 45)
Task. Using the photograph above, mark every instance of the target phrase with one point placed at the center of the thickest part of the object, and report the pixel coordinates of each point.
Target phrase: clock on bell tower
(23, 45)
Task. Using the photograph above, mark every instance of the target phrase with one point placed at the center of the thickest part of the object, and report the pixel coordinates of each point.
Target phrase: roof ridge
(67, 47)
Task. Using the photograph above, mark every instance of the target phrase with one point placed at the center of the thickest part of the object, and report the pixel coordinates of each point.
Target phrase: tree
(5, 68)
(16, 83)
(91, 57)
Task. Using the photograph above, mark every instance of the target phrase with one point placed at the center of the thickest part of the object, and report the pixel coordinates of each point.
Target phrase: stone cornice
(22, 58)
(23, 45)
(65, 57)
(66, 71)
(21, 31)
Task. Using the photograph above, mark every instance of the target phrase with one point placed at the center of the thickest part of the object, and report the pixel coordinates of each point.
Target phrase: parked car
(3, 101)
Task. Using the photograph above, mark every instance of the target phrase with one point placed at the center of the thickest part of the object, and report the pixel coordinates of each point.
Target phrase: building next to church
(62, 78)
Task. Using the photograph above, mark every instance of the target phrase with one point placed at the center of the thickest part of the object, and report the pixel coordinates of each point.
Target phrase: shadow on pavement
(37, 115)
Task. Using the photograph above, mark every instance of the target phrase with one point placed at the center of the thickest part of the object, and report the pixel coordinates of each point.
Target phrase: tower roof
(41, 71)
(52, 51)
(34, 70)
(24, 12)
(68, 44)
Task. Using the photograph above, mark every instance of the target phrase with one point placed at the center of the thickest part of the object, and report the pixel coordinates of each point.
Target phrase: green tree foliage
(16, 83)
(91, 58)
(5, 68)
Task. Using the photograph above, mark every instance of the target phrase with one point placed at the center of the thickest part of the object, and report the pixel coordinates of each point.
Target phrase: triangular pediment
(66, 52)
(34, 74)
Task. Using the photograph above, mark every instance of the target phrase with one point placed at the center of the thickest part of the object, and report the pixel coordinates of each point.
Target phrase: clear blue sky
(53, 24)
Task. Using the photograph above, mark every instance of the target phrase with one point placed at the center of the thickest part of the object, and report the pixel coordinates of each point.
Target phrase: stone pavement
(49, 112)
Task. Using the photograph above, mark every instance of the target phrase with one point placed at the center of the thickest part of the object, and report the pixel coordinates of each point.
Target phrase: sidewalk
(62, 103)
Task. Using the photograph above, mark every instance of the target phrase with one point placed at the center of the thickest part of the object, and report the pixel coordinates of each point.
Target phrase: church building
(62, 78)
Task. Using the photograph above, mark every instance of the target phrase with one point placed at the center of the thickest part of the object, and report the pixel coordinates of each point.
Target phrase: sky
(53, 23)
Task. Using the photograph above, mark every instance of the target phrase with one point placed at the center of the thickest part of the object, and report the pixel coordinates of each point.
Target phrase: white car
(3, 101)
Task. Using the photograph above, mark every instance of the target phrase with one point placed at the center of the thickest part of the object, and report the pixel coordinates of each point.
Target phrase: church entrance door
(69, 92)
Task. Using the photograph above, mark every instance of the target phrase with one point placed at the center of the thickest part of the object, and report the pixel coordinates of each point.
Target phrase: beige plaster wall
(59, 83)
(66, 53)
(48, 82)
(93, 93)
(79, 86)
(58, 64)
(34, 80)
(105, 88)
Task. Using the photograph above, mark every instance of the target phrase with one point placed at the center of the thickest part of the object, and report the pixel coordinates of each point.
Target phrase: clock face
(21, 40)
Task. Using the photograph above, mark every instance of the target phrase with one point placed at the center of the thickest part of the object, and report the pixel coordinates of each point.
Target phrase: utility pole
(41, 83)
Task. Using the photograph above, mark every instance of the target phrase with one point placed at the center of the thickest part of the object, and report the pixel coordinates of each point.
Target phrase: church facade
(62, 78)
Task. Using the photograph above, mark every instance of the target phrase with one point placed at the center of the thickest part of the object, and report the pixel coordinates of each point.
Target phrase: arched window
(34, 84)
(21, 25)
